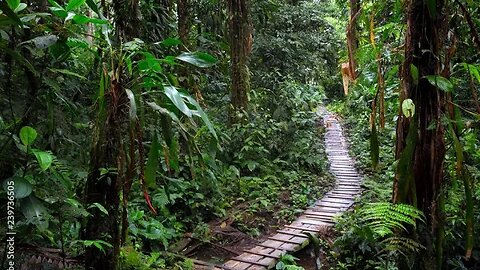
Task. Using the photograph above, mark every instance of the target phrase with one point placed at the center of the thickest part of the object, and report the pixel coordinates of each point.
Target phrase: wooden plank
(287, 241)
(334, 205)
(278, 248)
(198, 262)
(334, 195)
(313, 222)
(348, 192)
(292, 233)
(323, 219)
(257, 267)
(270, 261)
(330, 204)
(342, 183)
(324, 209)
(320, 214)
(235, 265)
(240, 259)
(303, 228)
(341, 188)
(263, 254)
(336, 200)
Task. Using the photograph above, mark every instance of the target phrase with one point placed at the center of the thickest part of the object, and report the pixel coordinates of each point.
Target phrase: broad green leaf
(77, 43)
(414, 73)
(171, 42)
(97, 21)
(79, 19)
(99, 207)
(150, 63)
(203, 115)
(55, 4)
(77, 206)
(440, 82)
(91, 4)
(20, 7)
(198, 59)
(13, 4)
(162, 110)
(73, 4)
(20, 186)
(44, 159)
(28, 135)
(67, 72)
(132, 112)
(473, 70)
(408, 108)
(35, 212)
(5, 8)
(59, 12)
(175, 96)
(70, 16)
(152, 162)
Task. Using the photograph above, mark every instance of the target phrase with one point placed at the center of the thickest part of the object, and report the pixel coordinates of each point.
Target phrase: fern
(403, 245)
(385, 218)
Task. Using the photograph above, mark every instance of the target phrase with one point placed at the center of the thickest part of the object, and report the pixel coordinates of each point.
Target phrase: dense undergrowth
(357, 245)
(197, 173)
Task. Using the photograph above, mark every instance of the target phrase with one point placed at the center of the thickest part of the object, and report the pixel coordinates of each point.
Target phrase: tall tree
(352, 37)
(420, 145)
(107, 174)
(183, 8)
(241, 39)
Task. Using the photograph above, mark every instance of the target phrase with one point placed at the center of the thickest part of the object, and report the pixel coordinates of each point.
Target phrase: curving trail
(315, 219)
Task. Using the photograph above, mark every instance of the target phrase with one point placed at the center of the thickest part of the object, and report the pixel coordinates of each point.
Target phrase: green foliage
(462, 79)
(299, 43)
(369, 238)
(132, 259)
(287, 262)
(274, 161)
(387, 218)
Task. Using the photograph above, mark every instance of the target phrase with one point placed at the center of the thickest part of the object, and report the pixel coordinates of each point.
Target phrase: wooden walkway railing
(315, 219)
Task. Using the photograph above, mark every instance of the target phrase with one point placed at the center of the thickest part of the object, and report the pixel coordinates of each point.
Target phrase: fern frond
(384, 218)
(402, 244)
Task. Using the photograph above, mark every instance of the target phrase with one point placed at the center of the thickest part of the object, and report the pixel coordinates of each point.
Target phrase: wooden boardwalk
(316, 218)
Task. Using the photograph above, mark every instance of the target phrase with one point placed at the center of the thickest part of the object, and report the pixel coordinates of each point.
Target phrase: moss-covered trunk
(420, 145)
(240, 48)
(108, 160)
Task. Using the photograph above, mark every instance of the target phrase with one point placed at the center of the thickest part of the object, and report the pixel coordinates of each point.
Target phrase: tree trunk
(103, 188)
(183, 8)
(420, 145)
(240, 49)
(127, 19)
(352, 36)
(108, 158)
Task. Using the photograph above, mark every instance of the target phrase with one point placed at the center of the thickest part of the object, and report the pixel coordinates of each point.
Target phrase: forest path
(316, 219)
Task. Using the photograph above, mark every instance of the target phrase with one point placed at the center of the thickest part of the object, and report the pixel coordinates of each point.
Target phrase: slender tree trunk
(108, 158)
(183, 8)
(352, 37)
(420, 145)
(103, 188)
(241, 46)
